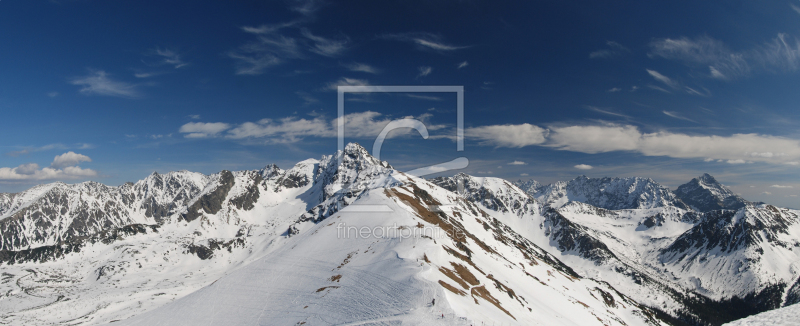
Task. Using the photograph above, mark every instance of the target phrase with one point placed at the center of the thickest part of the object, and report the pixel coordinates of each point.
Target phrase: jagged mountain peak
(707, 178)
(705, 193)
(609, 193)
(271, 171)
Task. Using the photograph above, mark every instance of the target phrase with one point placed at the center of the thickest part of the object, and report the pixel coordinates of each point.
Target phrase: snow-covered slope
(111, 252)
(267, 247)
(786, 316)
(736, 253)
(412, 265)
(710, 266)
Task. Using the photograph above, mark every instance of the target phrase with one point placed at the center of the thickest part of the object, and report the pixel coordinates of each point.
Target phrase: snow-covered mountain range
(347, 239)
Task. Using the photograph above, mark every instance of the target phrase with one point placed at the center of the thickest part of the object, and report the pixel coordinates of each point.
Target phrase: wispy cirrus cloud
(99, 83)
(28, 150)
(425, 41)
(325, 46)
(584, 167)
(613, 49)
(306, 7)
(462, 65)
(425, 97)
(677, 115)
(276, 44)
(661, 78)
(361, 67)
(170, 57)
(607, 111)
(794, 7)
(424, 71)
(778, 55)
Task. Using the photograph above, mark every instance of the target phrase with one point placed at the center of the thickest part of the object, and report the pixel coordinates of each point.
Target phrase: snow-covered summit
(609, 193)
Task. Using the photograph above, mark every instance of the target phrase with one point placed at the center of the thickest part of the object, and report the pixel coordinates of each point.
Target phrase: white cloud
(514, 136)
(664, 79)
(583, 167)
(523, 174)
(611, 137)
(424, 71)
(781, 186)
(69, 159)
(344, 81)
(27, 169)
(203, 129)
(63, 167)
(361, 67)
(766, 193)
(595, 139)
(98, 83)
(194, 116)
(614, 90)
(462, 65)
(517, 163)
(737, 161)
(294, 129)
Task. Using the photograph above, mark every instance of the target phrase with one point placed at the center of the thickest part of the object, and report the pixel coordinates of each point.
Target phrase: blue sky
(112, 90)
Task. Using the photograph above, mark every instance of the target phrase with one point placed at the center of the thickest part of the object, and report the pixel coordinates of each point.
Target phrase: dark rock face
(705, 194)
(248, 199)
(793, 295)
(53, 252)
(207, 251)
(294, 181)
(729, 230)
(211, 202)
(573, 237)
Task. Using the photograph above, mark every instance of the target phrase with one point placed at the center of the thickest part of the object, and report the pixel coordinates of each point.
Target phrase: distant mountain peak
(705, 193)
